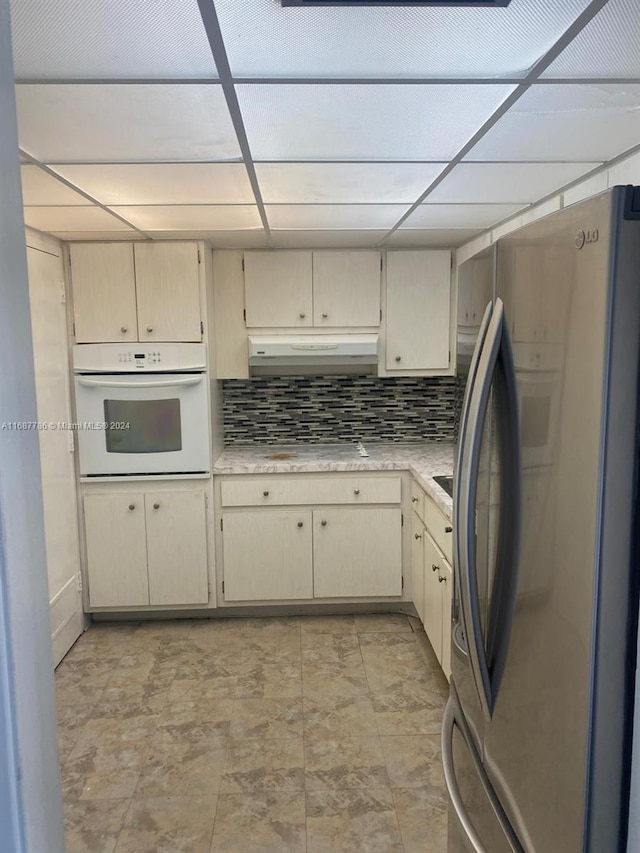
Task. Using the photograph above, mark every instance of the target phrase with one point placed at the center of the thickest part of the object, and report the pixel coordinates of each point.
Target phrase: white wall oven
(141, 410)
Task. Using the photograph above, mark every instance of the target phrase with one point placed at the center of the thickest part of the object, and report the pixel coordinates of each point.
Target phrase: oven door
(142, 424)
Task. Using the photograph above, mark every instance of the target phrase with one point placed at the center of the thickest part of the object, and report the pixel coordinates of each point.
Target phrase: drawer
(288, 491)
(439, 527)
(417, 499)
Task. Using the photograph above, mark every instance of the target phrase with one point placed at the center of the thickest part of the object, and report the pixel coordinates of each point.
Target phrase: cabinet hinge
(206, 500)
(243, 265)
(402, 582)
(201, 327)
(199, 260)
(223, 587)
(244, 314)
(79, 582)
(380, 261)
(221, 524)
(63, 293)
(401, 519)
(73, 326)
(381, 315)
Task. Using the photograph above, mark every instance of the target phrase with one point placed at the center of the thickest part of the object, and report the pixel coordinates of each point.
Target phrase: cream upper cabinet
(346, 289)
(418, 311)
(168, 291)
(278, 289)
(141, 292)
(104, 292)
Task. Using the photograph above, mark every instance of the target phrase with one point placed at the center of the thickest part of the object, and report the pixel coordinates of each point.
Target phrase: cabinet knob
(324, 316)
(300, 524)
(149, 328)
(448, 529)
(302, 315)
(441, 579)
(156, 506)
(132, 506)
(398, 358)
(266, 494)
(418, 535)
(323, 523)
(414, 500)
(356, 491)
(124, 330)
(434, 568)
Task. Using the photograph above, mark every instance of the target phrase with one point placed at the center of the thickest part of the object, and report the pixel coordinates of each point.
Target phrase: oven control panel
(114, 358)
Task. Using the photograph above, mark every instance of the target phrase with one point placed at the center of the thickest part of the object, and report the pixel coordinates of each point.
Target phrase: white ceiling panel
(109, 38)
(417, 238)
(192, 217)
(40, 189)
(248, 239)
(264, 39)
(54, 219)
(607, 47)
(352, 239)
(505, 183)
(344, 183)
(334, 216)
(566, 122)
(154, 183)
(459, 215)
(75, 236)
(364, 122)
(111, 123)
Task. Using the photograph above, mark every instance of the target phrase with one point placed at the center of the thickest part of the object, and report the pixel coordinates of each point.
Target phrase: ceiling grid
(257, 126)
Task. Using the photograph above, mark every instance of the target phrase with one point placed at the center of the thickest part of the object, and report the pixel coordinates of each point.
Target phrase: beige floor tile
(219, 686)
(114, 731)
(375, 623)
(205, 721)
(92, 673)
(165, 628)
(93, 826)
(388, 675)
(413, 761)
(103, 772)
(354, 762)
(168, 825)
(71, 720)
(146, 694)
(264, 765)
(352, 821)
(392, 645)
(422, 815)
(181, 770)
(330, 647)
(327, 625)
(409, 709)
(344, 677)
(338, 716)
(271, 822)
(266, 718)
(270, 680)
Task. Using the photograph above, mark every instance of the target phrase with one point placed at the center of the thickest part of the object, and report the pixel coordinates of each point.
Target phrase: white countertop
(424, 460)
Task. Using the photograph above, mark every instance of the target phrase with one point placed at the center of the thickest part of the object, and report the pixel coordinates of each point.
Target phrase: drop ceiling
(252, 125)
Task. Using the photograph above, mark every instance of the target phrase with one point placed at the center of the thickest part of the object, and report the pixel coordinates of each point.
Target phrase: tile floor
(290, 735)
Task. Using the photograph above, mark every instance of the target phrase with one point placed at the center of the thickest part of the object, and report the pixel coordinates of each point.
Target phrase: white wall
(30, 801)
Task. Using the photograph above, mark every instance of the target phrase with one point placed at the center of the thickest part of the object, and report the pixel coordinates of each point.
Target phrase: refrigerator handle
(465, 507)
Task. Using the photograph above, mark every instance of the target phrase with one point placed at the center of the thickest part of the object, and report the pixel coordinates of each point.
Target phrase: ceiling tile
(344, 183)
(39, 188)
(55, 219)
(93, 236)
(192, 217)
(334, 216)
(92, 123)
(459, 215)
(109, 38)
(264, 39)
(609, 46)
(506, 183)
(566, 122)
(345, 239)
(248, 239)
(364, 122)
(154, 183)
(444, 237)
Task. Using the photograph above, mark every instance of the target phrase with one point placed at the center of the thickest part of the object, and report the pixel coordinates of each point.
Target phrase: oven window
(143, 426)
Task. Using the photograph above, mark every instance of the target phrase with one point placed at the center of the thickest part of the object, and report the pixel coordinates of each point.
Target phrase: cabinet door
(168, 291)
(267, 555)
(357, 552)
(177, 548)
(417, 564)
(278, 289)
(432, 595)
(446, 573)
(418, 310)
(346, 288)
(104, 292)
(116, 550)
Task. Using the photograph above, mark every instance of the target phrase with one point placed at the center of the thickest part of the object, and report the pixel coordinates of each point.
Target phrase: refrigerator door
(562, 696)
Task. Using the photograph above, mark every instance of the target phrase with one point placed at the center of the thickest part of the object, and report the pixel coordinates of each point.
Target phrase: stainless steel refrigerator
(537, 731)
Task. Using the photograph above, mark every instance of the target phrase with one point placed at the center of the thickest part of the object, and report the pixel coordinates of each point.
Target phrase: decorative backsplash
(286, 410)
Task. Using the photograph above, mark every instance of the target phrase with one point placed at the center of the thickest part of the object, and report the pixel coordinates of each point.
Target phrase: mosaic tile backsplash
(286, 410)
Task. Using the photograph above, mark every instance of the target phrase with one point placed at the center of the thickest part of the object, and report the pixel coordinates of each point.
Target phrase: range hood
(312, 351)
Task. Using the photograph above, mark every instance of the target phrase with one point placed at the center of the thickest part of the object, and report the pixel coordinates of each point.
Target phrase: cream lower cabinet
(146, 549)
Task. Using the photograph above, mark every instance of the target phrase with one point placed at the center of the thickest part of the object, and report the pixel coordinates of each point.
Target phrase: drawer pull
(302, 315)
(324, 316)
(414, 500)
(266, 494)
(323, 523)
(442, 579)
(398, 358)
(156, 506)
(300, 524)
(418, 535)
(448, 529)
(434, 568)
(124, 330)
(132, 506)
(356, 491)
(149, 328)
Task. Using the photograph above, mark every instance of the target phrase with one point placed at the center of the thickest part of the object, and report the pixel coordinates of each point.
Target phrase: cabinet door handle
(124, 330)
(323, 523)
(324, 316)
(156, 506)
(300, 524)
(132, 506)
(418, 535)
(441, 579)
(448, 529)
(356, 491)
(149, 328)
(414, 500)
(434, 568)
(302, 315)
(398, 358)
(266, 494)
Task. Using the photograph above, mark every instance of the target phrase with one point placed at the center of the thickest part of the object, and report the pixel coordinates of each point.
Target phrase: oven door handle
(158, 383)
